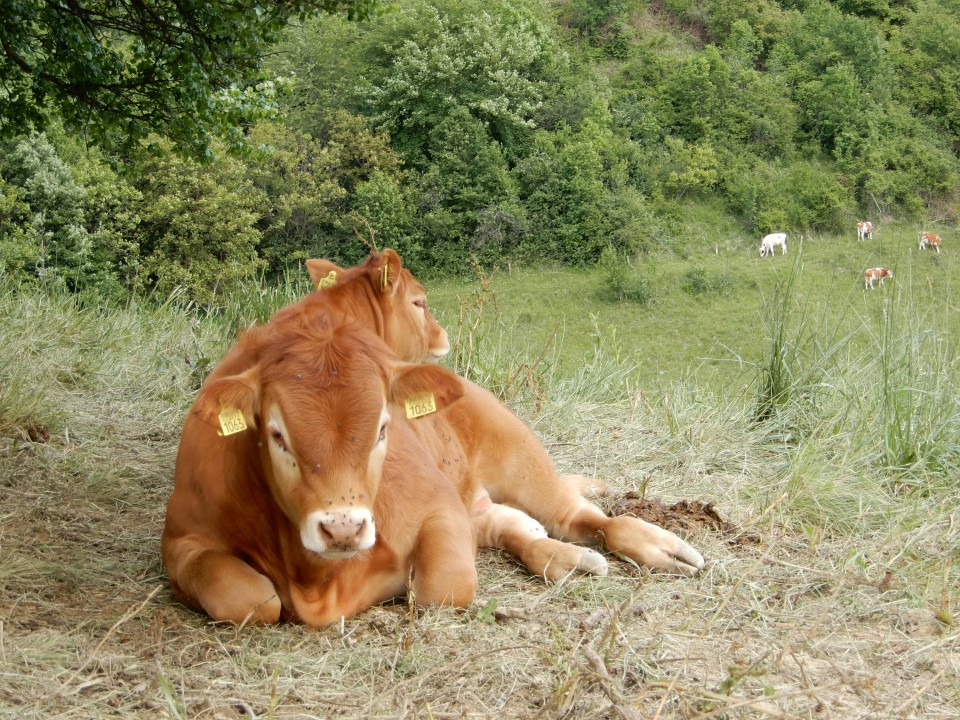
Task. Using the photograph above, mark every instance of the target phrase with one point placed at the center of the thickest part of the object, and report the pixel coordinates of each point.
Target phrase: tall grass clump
(622, 282)
(245, 304)
(23, 398)
(916, 374)
(142, 362)
(782, 373)
(483, 348)
(865, 404)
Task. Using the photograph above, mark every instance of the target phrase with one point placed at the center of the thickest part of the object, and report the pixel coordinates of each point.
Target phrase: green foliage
(822, 37)
(771, 197)
(897, 164)
(466, 174)
(926, 50)
(19, 255)
(560, 184)
(460, 132)
(123, 70)
(696, 167)
(297, 176)
(199, 226)
(697, 93)
(70, 224)
(488, 64)
(387, 205)
(54, 230)
(602, 23)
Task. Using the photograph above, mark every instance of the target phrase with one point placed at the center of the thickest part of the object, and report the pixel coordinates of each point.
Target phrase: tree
(50, 233)
(119, 71)
(494, 64)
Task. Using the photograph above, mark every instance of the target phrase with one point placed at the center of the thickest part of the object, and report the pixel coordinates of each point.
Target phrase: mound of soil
(684, 515)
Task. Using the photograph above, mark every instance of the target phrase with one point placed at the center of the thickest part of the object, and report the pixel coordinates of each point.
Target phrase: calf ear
(389, 267)
(412, 381)
(320, 270)
(220, 402)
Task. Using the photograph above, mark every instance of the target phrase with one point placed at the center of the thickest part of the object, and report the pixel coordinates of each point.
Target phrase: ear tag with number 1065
(231, 421)
(419, 405)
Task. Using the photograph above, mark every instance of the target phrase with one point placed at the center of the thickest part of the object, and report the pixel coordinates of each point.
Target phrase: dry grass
(835, 614)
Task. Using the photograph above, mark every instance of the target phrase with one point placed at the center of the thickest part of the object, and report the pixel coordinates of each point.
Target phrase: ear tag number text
(231, 421)
(419, 405)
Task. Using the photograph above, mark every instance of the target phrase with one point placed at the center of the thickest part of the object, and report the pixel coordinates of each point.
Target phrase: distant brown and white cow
(504, 474)
(287, 503)
(770, 242)
(929, 239)
(875, 275)
(864, 230)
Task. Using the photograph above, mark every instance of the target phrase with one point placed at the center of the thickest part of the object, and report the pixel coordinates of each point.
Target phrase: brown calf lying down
(503, 473)
(287, 502)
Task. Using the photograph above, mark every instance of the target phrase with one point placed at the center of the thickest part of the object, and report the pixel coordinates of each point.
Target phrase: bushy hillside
(514, 132)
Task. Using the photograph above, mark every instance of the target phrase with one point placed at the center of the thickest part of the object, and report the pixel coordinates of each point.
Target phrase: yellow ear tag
(329, 280)
(384, 277)
(231, 421)
(419, 405)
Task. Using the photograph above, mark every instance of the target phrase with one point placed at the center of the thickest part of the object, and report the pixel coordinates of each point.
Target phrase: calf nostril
(342, 531)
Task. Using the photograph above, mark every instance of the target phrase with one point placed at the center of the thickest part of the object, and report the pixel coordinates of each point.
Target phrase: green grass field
(820, 420)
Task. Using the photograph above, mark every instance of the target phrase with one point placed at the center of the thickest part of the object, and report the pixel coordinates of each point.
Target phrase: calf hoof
(554, 560)
(652, 546)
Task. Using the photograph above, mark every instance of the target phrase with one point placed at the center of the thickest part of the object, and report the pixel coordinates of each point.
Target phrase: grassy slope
(843, 610)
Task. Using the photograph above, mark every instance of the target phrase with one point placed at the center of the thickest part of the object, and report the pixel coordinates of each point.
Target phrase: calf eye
(420, 303)
(383, 433)
(277, 437)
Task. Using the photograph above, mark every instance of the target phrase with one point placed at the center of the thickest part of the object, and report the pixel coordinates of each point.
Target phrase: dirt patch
(687, 515)
(37, 432)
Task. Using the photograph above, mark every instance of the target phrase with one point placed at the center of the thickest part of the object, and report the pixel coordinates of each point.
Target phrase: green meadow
(712, 304)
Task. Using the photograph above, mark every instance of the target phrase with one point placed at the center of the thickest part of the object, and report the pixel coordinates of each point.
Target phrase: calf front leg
(586, 486)
(221, 584)
(514, 468)
(444, 562)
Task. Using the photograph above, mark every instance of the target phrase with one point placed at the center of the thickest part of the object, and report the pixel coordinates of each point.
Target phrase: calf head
(382, 289)
(315, 410)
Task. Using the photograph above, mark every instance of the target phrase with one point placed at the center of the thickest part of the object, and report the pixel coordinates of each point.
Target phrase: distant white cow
(864, 230)
(875, 275)
(770, 242)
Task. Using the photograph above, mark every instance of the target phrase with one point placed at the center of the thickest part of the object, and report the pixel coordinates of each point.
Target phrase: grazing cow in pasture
(770, 242)
(875, 275)
(864, 230)
(505, 476)
(929, 239)
(301, 490)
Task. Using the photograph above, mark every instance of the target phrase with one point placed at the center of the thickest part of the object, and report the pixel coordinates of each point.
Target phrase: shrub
(53, 242)
(199, 226)
(698, 281)
(622, 282)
